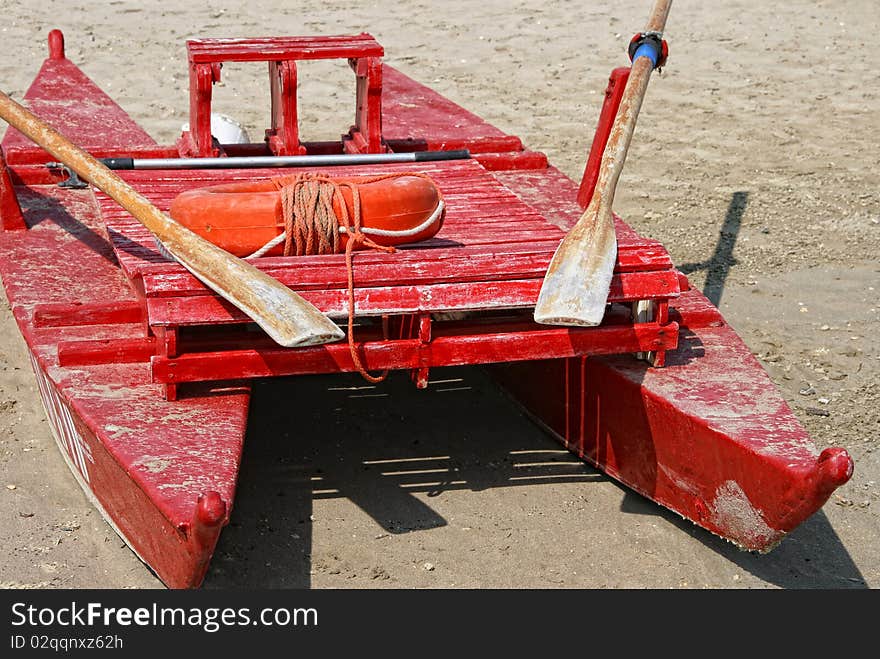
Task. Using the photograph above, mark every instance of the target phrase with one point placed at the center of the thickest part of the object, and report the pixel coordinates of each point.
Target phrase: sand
(756, 162)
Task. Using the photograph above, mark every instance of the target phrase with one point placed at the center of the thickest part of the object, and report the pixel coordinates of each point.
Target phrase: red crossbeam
(283, 48)
(483, 348)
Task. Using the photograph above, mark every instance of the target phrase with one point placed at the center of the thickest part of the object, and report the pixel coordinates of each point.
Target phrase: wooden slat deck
(416, 114)
(490, 256)
(491, 253)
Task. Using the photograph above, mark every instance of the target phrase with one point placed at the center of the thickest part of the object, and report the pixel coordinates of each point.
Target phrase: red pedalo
(146, 373)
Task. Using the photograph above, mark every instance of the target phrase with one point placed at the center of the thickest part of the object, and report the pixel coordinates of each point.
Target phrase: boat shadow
(377, 446)
(718, 265)
(39, 208)
(389, 448)
(810, 557)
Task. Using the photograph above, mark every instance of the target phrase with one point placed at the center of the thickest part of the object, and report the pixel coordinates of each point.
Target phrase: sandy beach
(756, 162)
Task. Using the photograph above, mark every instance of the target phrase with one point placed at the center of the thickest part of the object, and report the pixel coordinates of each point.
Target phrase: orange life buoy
(244, 217)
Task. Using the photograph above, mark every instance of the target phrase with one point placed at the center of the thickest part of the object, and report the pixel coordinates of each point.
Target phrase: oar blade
(287, 318)
(577, 282)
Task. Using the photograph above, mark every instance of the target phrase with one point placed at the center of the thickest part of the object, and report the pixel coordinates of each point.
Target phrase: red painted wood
(504, 250)
(507, 144)
(79, 274)
(106, 351)
(197, 141)
(420, 375)
(283, 48)
(414, 113)
(613, 96)
(56, 45)
(167, 341)
(554, 195)
(443, 350)
(365, 136)
(402, 299)
(146, 461)
(77, 313)
(68, 100)
(490, 216)
(707, 436)
(464, 264)
(207, 55)
(33, 155)
(512, 160)
(135, 471)
(127, 491)
(11, 218)
(466, 213)
(283, 133)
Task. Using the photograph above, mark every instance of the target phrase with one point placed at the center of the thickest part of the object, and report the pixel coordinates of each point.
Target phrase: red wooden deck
(490, 256)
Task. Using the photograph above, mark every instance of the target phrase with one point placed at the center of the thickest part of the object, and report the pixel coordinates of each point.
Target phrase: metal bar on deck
(242, 162)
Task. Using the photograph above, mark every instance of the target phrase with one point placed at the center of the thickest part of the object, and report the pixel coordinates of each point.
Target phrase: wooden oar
(285, 316)
(575, 288)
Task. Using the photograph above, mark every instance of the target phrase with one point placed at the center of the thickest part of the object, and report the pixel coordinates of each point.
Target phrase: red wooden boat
(145, 373)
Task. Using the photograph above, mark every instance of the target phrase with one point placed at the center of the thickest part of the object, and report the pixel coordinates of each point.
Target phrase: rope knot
(312, 226)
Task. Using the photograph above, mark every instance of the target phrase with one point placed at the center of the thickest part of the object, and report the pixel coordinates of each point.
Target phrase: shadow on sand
(336, 436)
(718, 265)
(377, 446)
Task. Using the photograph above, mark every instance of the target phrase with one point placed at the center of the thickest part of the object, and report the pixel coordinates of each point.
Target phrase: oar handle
(659, 14)
(647, 52)
(84, 164)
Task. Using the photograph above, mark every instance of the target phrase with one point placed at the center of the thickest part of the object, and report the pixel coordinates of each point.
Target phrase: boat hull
(178, 553)
(162, 473)
(707, 436)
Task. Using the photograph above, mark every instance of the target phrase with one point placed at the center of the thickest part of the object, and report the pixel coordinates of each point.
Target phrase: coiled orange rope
(312, 227)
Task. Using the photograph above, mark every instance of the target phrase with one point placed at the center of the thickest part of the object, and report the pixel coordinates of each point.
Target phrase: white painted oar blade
(287, 318)
(576, 286)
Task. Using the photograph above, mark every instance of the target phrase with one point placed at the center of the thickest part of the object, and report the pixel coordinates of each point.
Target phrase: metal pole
(235, 162)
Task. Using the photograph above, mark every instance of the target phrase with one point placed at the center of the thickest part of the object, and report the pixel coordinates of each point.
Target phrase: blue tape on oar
(650, 45)
(648, 50)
